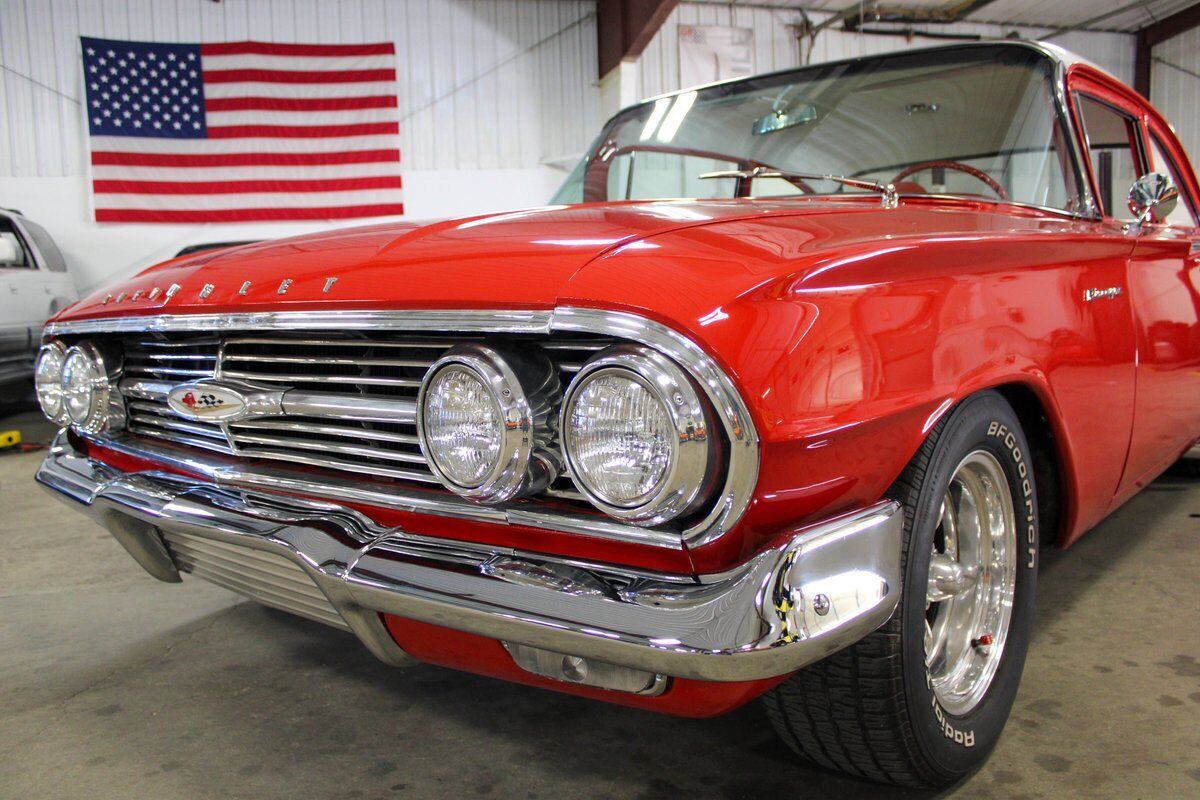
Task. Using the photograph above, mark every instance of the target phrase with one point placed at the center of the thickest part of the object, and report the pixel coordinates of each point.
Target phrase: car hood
(520, 259)
(534, 258)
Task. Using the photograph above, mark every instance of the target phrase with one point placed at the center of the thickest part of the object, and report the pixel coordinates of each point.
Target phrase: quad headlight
(85, 388)
(635, 433)
(485, 422)
(47, 380)
(72, 385)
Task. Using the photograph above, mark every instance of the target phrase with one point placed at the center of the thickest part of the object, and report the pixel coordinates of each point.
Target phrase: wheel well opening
(1046, 458)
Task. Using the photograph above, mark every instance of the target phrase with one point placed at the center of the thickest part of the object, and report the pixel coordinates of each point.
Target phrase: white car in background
(34, 285)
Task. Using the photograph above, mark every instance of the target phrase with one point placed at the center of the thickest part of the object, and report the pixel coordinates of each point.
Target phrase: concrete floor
(117, 686)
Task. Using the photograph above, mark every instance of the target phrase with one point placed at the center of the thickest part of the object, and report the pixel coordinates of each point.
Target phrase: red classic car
(801, 435)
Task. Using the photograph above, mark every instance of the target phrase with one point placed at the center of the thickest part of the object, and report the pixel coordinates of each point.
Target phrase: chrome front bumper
(826, 588)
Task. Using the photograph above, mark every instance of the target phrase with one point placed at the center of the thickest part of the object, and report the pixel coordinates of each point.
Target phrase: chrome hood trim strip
(416, 320)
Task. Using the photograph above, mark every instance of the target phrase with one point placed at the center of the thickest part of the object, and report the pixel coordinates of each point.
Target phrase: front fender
(848, 356)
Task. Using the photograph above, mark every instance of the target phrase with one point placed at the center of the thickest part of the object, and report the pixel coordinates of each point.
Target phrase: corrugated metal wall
(775, 46)
(483, 84)
(1175, 87)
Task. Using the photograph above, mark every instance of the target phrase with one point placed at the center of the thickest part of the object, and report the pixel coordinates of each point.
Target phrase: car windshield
(975, 121)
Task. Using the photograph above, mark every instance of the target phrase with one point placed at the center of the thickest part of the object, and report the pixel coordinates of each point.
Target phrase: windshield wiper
(891, 197)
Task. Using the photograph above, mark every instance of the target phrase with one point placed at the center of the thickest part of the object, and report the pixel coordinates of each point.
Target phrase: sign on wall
(710, 53)
(240, 131)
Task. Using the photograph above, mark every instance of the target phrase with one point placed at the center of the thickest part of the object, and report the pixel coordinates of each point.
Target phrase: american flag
(241, 131)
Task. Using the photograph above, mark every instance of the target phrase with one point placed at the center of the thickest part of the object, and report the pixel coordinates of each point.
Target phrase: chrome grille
(269, 578)
(350, 402)
(151, 368)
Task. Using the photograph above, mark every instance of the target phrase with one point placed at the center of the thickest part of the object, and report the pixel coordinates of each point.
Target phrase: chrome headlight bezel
(687, 481)
(49, 388)
(94, 389)
(525, 389)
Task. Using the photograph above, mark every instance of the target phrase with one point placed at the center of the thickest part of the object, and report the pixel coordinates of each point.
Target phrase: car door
(1161, 281)
(1164, 283)
(57, 288)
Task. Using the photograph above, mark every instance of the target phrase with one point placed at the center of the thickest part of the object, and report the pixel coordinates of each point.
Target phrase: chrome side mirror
(1152, 198)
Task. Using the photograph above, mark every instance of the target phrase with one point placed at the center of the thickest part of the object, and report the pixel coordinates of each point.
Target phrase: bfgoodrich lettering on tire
(922, 701)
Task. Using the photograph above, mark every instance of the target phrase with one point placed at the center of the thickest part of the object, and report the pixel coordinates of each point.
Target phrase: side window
(12, 249)
(1183, 215)
(51, 255)
(1114, 148)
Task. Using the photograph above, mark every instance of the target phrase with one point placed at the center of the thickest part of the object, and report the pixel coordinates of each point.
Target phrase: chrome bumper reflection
(827, 587)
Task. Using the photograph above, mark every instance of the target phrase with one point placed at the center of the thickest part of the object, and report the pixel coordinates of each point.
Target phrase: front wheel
(922, 701)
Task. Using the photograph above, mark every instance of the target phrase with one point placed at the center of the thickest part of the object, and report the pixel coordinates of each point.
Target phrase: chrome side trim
(819, 591)
(742, 470)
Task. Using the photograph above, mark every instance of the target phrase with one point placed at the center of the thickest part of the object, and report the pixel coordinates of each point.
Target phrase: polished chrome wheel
(972, 577)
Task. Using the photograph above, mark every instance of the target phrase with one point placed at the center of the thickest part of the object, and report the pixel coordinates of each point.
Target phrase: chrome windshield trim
(727, 507)
(963, 198)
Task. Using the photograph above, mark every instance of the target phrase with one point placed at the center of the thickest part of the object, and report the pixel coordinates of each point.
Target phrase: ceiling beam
(625, 27)
(1159, 32)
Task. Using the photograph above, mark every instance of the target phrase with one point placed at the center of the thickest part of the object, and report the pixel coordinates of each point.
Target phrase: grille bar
(352, 380)
(341, 449)
(339, 464)
(330, 430)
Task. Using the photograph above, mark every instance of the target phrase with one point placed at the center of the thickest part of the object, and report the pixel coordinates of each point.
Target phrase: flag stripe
(314, 64)
(297, 76)
(260, 89)
(248, 214)
(301, 131)
(272, 172)
(131, 144)
(350, 117)
(243, 159)
(298, 103)
(277, 49)
(245, 187)
(205, 202)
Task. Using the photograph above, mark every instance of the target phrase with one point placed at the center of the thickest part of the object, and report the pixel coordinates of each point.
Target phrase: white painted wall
(490, 91)
(775, 45)
(1175, 92)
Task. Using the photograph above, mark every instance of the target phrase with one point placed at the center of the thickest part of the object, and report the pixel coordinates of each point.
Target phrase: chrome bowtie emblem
(206, 401)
